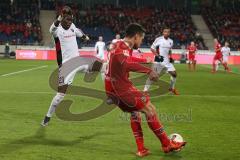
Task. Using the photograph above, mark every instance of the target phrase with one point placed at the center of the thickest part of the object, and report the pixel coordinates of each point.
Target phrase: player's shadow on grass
(40, 139)
(158, 154)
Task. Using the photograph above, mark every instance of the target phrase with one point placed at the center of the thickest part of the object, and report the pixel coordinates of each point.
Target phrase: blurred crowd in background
(19, 21)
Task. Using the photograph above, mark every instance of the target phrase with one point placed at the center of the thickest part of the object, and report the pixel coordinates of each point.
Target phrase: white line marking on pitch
(26, 92)
(196, 95)
(25, 70)
(186, 95)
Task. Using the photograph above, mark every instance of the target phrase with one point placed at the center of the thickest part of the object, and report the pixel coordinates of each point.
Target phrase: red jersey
(136, 59)
(218, 49)
(131, 58)
(120, 64)
(192, 49)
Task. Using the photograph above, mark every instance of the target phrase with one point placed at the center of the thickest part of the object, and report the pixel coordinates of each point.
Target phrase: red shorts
(191, 57)
(131, 100)
(218, 57)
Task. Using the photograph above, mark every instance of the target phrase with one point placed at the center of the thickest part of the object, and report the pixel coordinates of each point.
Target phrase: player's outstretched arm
(54, 27)
(133, 66)
(80, 34)
(96, 48)
(154, 51)
(155, 47)
(137, 67)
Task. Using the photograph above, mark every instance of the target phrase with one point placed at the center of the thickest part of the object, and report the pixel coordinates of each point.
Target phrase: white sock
(55, 102)
(147, 85)
(103, 70)
(103, 76)
(172, 82)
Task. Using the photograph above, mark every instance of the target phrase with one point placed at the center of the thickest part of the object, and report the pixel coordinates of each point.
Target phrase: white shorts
(163, 67)
(100, 55)
(68, 80)
(225, 59)
(170, 67)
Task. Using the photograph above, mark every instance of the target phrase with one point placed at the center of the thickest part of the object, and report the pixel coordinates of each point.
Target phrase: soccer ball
(176, 137)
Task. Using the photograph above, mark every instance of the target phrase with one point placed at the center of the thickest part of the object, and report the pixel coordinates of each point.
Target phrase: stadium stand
(107, 20)
(224, 25)
(19, 22)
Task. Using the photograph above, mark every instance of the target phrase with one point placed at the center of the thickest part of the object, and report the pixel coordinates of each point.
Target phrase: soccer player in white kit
(225, 52)
(100, 48)
(64, 33)
(163, 62)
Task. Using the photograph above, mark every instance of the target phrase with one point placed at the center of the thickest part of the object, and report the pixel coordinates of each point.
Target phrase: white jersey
(225, 51)
(66, 42)
(99, 49)
(165, 45)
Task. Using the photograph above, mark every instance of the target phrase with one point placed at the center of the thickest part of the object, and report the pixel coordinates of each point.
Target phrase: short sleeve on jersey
(155, 44)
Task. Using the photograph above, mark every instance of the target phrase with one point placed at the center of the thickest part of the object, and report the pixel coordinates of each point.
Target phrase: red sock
(137, 130)
(194, 66)
(155, 125)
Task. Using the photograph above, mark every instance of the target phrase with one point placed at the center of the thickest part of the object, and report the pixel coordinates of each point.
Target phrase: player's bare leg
(173, 82)
(138, 134)
(157, 128)
(189, 66)
(57, 99)
(217, 64)
(214, 66)
(194, 64)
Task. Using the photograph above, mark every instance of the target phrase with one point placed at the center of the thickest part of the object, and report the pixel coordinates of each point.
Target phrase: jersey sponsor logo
(69, 36)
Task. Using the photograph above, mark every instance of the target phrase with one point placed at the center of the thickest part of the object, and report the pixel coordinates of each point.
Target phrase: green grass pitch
(208, 103)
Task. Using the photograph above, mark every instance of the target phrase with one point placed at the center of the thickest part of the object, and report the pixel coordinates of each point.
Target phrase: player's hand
(59, 18)
(153, 76)
(159, 58)
(87, 38)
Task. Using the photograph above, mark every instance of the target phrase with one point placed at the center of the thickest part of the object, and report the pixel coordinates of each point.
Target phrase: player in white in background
(64, 33)
(100, 48)
(117, 38)
(163, 61)
(225, 52)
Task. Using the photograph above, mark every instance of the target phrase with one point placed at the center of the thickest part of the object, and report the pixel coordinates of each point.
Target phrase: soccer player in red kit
(128, 98)
(191, 56)
(218, 56)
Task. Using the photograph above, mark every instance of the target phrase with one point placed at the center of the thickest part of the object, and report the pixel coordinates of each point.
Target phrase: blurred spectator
(107, 20)
(224, 24)
(19, 22)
